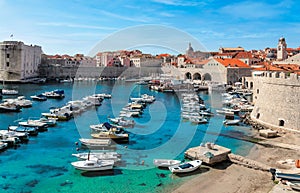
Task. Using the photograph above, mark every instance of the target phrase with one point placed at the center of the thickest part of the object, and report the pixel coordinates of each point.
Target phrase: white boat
(34, 123)
(55, 94)
(198, 119)
(94, 165)
(122, 122)
(50, 121)
(39, 97)
(231, 122)
(98, 155)
(165, 162)
(95, 143)
(10, 92)
(186, 167)
(20, 101)
(9, 107)
(144, 98)
(2, 145)
(225, 112)
(102, 95)
(236, 110)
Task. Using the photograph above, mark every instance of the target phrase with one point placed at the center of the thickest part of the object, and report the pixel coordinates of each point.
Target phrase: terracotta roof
(243, 55)
(232, 63)
(280, 67)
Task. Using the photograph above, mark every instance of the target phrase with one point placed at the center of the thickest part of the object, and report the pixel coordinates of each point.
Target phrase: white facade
(103, 58)
(19, 61)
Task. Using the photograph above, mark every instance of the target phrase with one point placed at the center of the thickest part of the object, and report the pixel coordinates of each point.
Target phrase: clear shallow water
(43, 165)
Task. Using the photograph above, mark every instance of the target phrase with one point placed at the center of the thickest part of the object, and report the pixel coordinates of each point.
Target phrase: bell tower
(281, 49)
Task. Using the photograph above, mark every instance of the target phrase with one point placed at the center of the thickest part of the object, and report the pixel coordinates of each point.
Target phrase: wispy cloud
(180, 2)
(253, 10)
(71, 25)
(142, 19)
(166, 14)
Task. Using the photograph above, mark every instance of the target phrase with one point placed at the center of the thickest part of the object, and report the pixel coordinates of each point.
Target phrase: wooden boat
(186, 167)
(94, 165)
(231, 122)
(111, 135)
(165, 162)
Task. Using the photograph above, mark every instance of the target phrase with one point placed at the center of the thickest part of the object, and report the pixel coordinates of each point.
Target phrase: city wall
(53, 72)
(277, 100)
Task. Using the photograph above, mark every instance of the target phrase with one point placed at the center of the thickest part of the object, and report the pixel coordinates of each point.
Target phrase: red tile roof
(232, 63)
(243, 55)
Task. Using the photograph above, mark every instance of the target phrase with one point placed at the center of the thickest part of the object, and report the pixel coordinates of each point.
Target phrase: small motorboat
(95, 143)
(186, 167)
(56, 94)
(165, 162)
(32, 131)
(231, 122)
(10, 92)
(94, 165)
(98, 155)
(9, 107)
(39, 97)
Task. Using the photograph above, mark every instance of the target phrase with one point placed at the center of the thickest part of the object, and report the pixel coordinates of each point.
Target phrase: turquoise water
(43, 165)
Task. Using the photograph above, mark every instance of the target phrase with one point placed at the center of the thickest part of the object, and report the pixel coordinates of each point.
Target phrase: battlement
(278, 77)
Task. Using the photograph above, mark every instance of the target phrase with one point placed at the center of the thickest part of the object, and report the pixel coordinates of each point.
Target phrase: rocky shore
(229, 177)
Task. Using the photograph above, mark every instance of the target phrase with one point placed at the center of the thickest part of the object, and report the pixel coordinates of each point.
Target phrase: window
(7, 55)
(7, 64)
(257, 91)
(281, 123)
(258, 115)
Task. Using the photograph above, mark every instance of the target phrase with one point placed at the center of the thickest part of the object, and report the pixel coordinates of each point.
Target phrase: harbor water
(43, 164)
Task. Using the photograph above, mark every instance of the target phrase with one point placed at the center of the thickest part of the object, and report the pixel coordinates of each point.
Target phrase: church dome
(271, 55)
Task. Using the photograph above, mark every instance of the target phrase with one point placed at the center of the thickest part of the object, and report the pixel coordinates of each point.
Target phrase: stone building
(281, 49)
(19, 61)
(276, 97)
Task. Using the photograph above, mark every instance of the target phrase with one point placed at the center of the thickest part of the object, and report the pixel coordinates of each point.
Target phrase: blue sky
(77, 26)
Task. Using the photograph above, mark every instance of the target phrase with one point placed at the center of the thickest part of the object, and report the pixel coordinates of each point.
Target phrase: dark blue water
(43, 165)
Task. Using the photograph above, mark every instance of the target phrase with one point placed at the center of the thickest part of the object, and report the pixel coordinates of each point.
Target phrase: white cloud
(122, 17)
(180, 2)
(71, 25)
(166, 14)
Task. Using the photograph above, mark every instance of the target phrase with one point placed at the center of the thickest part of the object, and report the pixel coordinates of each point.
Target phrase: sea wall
(61, 72)
(277, 100)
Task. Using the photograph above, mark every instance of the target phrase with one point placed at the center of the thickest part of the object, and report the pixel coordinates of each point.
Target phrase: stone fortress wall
(277, 100)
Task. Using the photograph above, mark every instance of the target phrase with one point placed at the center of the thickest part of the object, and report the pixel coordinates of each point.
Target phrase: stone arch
(196, 76)
(188, 75)
(207, 76)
